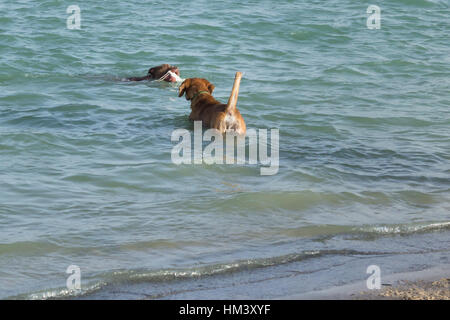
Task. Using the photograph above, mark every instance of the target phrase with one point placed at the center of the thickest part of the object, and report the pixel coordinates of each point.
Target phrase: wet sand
(429, 284)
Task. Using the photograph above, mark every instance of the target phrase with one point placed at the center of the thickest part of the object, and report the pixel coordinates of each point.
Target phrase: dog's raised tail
(232, 101)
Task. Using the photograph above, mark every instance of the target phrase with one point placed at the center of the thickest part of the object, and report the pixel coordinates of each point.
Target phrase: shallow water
(85, 158)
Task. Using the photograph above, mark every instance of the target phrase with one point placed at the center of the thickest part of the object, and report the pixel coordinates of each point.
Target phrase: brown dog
(156, 73)
(212, 113)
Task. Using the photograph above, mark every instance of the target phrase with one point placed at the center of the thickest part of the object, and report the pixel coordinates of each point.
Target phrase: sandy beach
(416, 290)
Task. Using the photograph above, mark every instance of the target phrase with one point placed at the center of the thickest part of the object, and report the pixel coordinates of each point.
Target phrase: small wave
(364, 232)
(121, 277)
(138, 276)
(25, 98)
(394, 121)
(422, 3)
(36, 121)
(405, 229)
(71, 107)
(347, 70)
(61, 293)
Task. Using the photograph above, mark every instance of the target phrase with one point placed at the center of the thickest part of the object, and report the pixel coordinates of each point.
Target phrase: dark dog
(213, 114)
(156, 73)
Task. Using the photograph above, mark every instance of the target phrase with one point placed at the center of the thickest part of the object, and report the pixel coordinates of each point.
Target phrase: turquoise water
(85, 158)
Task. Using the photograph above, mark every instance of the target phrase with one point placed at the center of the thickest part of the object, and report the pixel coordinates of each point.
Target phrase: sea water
(86, 177)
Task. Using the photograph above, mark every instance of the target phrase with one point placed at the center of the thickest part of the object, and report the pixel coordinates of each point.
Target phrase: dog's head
(192, 86)
(159, 71)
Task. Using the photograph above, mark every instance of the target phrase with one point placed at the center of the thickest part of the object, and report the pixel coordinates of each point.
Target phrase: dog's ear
(211, 87)
(151, 71)
(208, 85)
(182, 88)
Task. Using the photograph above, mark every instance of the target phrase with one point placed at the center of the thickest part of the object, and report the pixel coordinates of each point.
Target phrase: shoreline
(428, 284)
(333, 274)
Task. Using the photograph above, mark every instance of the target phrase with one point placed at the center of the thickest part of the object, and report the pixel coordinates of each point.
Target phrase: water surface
(85, 168)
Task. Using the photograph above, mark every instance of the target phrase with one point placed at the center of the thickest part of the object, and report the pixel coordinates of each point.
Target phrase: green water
(86, 176)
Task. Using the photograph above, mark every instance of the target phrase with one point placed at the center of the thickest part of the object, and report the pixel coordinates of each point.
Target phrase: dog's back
(213, 114)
